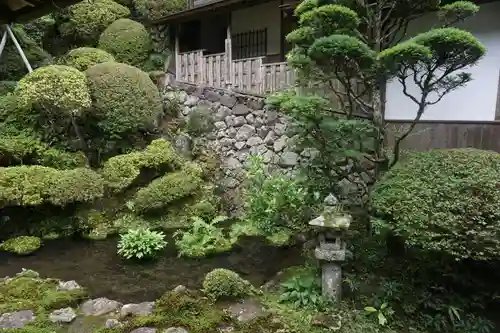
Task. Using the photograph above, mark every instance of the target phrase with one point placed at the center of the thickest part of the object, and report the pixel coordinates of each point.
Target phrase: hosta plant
(141, 243)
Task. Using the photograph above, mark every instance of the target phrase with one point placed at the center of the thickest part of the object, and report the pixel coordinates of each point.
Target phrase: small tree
(348, 51)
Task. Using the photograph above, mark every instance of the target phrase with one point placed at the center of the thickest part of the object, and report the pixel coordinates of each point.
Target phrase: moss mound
(35, 185)
(127, 40)
(54, 89)
(153, 9)
(21, 245)
(445, 200)
(85, 21)
(39, 295)
(38, 28)
(223, 283)
(12, 67)
(124, 98)
(83, 58)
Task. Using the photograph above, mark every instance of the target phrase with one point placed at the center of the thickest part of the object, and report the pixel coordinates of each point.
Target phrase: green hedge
(125, 100)
(127, 40)
(35, 185)
(155, 9)
(445, 200)
(83, 58)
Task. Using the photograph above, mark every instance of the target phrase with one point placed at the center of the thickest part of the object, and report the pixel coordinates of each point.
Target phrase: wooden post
(229, 56)
(177, 54)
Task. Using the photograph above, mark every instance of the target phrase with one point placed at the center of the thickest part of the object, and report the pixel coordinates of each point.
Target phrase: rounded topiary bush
(444, 200)
(54, 88)
(84, 57)
(22, 245)
(155, 9)
(127, 40)
(85, 21)
(124, 98)
(224, 283)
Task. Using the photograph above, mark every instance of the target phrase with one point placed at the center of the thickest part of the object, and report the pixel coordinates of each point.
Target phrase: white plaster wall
(477, 100)
(266, 15)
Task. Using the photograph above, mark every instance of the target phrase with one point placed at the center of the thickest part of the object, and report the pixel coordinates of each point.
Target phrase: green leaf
(381, 319)
(370, 309)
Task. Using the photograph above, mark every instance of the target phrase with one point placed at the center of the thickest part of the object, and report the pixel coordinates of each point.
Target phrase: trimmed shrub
(24, 148)
(154, 9)
(85, 21)
(35, 185)
(120, 171)
(12, 67)
(164, 190)
(21, 245)
(54, 89)
(84, 57)
(223, 283)
(445, 200)
(124, 98)
(127, 40)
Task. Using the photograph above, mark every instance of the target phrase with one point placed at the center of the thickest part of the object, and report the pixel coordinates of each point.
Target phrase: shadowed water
(96, 266)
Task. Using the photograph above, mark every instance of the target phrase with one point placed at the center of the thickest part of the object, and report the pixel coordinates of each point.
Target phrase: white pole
(19, 49)
(3, 41)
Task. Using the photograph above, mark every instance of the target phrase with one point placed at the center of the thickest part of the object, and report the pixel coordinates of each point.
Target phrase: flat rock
(175, 330)
(140, 309)
(65, 315)
(144, 330)
(246, 310)
(241, 110)
(99, 306)
(180, 289)
(289, 159)
(16, 319)
(68, 285)
(110, 323)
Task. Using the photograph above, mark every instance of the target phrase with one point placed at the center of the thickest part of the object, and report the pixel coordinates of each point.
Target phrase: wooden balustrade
(248, 75)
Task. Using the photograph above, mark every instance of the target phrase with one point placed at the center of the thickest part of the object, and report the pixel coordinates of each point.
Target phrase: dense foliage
(21, 245)
(125, 100)
(153, 9)
(127, 40)
(85, 21)
(223, 284)
(445, 200)
(83, 58)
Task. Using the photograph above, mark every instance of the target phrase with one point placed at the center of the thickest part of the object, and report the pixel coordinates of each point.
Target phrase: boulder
(99, 306)
(65, 315)
(140, 309)
(16, 319)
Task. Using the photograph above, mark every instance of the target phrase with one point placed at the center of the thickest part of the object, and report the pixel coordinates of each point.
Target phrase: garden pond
(96, 265)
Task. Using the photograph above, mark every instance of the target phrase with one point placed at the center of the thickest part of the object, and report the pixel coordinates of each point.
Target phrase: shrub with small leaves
(85, 21)
(36, 185)
(445, 200)
(54, 89)
(141, 243)
(21, 245)
(223, 283)
(164, 190)
(83, 58)
(127, 40)
(125, 100)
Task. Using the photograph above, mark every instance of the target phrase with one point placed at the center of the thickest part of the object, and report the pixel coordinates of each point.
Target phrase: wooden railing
(249, 75)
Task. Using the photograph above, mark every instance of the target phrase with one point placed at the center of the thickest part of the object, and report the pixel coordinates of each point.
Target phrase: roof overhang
(220, 6)
(25, 10)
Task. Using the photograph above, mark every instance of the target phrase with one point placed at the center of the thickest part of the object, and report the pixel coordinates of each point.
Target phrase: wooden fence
(447, 134)
(249, 75)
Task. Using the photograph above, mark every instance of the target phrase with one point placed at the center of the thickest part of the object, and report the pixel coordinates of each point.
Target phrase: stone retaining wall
(242, 127)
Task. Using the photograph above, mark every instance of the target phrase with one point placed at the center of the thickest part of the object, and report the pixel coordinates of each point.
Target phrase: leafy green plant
(202, 238)
(275, 203)
(302, 291)
(382, 313)
(141, 243)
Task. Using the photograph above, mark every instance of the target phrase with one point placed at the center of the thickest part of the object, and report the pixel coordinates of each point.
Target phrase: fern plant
(141, 243)
(202, 238)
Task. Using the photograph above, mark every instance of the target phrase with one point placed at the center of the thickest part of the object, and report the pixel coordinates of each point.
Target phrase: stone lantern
(333, 224)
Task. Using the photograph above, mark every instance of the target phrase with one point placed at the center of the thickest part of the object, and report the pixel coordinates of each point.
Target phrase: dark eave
(219, 6)
(25, 10)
